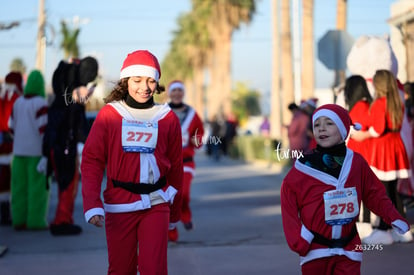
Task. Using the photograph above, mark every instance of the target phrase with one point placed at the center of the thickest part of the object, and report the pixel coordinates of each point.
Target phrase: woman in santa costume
(192, 132)
(29, 188)
(388, 158)
(9, 92)
(358, 100)
(139, 145)
(321, 196)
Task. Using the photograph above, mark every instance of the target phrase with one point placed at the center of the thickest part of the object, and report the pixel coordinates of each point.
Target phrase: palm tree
(70, 41)
(17, 65)
(226, 16)
(275, 110)
(287, 73)
(308, 63)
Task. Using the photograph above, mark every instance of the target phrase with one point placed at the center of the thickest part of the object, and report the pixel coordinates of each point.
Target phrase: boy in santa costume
(321, 197)
(9, 92)
(139, 145)
(29, 188)
(192, 132)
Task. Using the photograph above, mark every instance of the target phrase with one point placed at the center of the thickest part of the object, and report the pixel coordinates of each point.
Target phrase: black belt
(189, 159)
(334, 243)
(140, 188)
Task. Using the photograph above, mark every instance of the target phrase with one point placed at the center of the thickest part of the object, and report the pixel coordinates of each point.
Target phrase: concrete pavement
(238, 230)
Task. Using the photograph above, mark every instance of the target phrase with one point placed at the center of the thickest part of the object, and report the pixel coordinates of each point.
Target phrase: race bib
(341, 206)
(139, 136)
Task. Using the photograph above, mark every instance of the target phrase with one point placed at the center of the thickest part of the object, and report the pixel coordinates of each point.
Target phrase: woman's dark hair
(356, 89)
(120, 91)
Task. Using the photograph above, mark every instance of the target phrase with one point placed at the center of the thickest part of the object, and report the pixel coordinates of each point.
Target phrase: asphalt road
(238, 230)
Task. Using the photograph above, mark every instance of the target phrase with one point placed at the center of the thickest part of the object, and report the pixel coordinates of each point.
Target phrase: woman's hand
(97, 220)
(360, 135)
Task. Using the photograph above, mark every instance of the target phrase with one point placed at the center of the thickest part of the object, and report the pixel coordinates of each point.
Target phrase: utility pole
(41, 38)
(341, 16)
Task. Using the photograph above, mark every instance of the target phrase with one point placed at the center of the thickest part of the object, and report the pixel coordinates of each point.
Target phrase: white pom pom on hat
(339, 116)
(141, 63)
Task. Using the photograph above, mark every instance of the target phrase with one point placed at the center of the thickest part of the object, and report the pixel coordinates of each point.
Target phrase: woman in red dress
(358, 100)
(388, 158)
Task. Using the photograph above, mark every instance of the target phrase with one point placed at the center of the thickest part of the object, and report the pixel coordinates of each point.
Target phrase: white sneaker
(401, 238)
(379, 237)
(364, 229)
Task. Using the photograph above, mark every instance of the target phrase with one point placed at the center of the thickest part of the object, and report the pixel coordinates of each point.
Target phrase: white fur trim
(334, 117)
(167, 195)
(400, 226)
(6, 159)
(306, 234)
(328, 252)
(176, 85)
(392, 174)
(190, 170)
(92, 212)
(140, 70)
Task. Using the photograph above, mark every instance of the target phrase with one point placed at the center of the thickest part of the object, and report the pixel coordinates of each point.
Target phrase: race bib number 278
(341, 206)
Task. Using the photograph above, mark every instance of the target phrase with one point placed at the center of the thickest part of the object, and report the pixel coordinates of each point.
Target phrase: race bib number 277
(139, 136)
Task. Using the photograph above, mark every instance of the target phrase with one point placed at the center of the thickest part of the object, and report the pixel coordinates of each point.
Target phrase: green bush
(251, 147)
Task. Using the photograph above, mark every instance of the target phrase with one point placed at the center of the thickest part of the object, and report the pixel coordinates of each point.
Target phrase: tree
(69, 41)
(17, 65)
(203, 43)
(308, 62)
(275, 111)
(226, 16)
(245, 102)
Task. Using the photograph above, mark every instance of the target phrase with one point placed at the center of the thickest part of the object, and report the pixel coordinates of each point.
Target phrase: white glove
(172, 225)
(42, 166)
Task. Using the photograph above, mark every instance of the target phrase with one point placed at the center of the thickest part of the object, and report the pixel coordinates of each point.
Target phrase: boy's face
(326, 132)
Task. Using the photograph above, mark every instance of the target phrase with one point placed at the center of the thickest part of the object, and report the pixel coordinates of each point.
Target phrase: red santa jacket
(103, 149)
(303, 210)
(192, 133)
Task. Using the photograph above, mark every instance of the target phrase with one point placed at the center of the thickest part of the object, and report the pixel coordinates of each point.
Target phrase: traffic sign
(333, 49)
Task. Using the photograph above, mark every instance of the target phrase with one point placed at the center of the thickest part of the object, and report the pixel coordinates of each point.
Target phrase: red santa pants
(337, 265)
(186, 215)
(145, 231)
(66, 199)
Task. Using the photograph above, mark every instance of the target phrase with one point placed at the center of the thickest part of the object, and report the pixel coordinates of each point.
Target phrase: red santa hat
(176, 84)
(16, 79)
(141, 63)
(338, 115)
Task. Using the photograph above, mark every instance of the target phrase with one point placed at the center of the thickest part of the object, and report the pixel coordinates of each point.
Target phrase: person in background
(73, 83)
(388, 158)
(358, 100)
(29, 188)
(10, 90)
(139, 145)
(192, 132)
(320, 198)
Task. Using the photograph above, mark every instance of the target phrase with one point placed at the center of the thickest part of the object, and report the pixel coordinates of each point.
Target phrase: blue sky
(110, 30)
